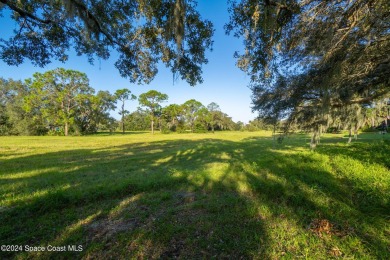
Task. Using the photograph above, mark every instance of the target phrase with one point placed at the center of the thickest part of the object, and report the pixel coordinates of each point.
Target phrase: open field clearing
(223, 195)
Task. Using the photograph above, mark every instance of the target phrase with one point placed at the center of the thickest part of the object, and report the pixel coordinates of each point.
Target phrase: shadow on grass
(365, 150)
(108, 133)
(188, 199)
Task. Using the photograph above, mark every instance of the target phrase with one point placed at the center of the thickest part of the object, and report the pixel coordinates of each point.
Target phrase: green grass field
(223, 195)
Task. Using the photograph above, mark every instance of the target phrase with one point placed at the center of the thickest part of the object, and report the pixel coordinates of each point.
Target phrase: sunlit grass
(229, 194)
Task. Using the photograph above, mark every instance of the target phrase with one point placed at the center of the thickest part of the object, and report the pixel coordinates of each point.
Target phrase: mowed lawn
(224, 195)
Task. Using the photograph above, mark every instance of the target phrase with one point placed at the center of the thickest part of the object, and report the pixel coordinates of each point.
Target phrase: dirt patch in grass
(106, 229)
(335, 252)
(185, 197)
(173, 250)
(324, 227)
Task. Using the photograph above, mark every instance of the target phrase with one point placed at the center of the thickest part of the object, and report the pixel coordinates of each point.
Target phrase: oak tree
(191, 110)
(143, 32)
(314, 61)
(57, 94)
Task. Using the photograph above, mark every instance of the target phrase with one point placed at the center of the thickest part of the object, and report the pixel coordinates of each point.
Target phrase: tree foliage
(58, 94)
(142, 32)
(122, 95)
(152, 101)
(314, 62)
(93, 112)
(14, 120)
(191, 111)
(138, 120)
(61, 102)
(214, 110)
(56, 102)
(173, 116)
(176, 118)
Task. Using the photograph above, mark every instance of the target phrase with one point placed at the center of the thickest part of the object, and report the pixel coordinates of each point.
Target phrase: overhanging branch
(24, 13)
(337, 104)
(79, 5)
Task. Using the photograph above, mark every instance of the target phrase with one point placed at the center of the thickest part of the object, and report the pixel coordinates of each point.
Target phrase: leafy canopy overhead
(144, 32)
(308, 59)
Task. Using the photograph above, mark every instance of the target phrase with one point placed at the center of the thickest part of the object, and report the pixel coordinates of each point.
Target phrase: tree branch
(89, 15)
(79, 6)
(351, 102)
(276, 4)
(24, 13)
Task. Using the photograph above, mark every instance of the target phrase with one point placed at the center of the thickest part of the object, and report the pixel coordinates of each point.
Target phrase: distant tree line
(61, 102)
(191, 116)
(55, 102)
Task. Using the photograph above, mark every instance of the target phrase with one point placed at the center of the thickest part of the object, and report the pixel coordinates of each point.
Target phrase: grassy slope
(218, 195)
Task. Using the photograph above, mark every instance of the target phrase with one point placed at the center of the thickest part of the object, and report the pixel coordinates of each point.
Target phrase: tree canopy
(122, 95)
(57, 102)
(58, 95)
(191, 110)
(143, 32)
(214, 110)
(152, 101)
(313, 61)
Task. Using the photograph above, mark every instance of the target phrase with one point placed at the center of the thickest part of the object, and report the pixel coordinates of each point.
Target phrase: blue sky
(223, 82)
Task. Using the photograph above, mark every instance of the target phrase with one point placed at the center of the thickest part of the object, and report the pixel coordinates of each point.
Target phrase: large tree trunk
(314, 140)
(151, 125)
